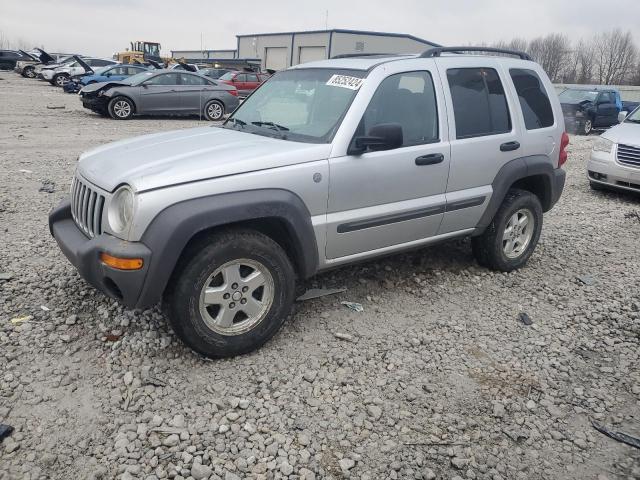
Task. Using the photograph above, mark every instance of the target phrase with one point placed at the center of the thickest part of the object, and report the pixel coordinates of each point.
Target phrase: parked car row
(122, 90)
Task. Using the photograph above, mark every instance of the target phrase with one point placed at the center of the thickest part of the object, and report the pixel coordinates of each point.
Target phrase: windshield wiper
(632, 120)
(280, 128)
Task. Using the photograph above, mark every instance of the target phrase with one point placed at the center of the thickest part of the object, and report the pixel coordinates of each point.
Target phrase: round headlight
(120, 211)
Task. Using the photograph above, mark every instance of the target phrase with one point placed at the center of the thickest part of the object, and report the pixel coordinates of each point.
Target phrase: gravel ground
(437, 378)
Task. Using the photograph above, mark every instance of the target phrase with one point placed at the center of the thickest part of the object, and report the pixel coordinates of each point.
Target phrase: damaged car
(78, 66)
(27, 67)
(104, 74)
(591, 108)
(161, 92)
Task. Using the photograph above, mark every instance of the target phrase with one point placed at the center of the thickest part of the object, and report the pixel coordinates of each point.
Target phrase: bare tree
(551, 52)
(615, 55)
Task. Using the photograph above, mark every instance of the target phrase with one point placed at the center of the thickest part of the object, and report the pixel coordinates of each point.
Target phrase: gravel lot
(437, 378)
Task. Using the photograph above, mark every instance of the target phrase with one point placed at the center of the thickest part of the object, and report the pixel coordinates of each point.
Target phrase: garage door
(311, 54)
(276, 58)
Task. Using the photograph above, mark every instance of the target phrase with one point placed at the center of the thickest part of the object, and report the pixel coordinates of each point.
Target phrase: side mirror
(384, 136)
(622, 116)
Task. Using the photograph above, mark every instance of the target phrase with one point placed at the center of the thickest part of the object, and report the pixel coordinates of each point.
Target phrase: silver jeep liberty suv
(327, 163)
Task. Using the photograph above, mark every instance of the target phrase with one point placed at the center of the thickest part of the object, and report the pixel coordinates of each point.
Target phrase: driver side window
(407, 99)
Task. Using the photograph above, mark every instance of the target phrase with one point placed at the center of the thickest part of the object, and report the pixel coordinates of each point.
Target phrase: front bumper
(84, 254)
(603, 169)
(92, 103)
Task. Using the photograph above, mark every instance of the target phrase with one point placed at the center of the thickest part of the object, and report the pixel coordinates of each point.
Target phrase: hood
(626, 132)
(165, 159)
(45, 57)
(94, 87)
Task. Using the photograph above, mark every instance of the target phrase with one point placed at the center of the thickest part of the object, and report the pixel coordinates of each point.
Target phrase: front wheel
(121, 108)
(29, 72)
(233, 293)
(214, 111)
(587, 127)
(512, 235)
(60, 80)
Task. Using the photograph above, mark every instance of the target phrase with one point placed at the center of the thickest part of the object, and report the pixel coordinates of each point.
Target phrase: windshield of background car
(578, 96)
(138, 78)
(634, 117)
(304, 105)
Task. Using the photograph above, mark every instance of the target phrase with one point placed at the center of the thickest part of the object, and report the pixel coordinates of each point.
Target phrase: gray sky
(102, 27)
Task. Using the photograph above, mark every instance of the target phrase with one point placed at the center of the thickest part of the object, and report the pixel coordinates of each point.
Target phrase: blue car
(114, 73)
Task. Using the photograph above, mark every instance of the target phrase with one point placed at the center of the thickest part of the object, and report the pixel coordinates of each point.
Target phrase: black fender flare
(539, 166)
(171, 230)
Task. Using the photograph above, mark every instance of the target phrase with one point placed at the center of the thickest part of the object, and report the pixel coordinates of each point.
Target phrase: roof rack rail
(356, 55)
(437, 51)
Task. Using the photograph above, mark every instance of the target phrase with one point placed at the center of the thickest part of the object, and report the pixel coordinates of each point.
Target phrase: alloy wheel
(236, 297)
(122, 109)
(518, 233)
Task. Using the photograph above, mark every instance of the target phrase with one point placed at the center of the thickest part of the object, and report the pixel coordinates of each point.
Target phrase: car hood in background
(181, 156)
(627, 133)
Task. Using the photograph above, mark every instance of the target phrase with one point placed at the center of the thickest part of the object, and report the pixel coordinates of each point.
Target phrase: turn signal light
(121, 263)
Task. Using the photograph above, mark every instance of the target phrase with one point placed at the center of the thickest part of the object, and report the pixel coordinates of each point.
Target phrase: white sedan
(615, 158)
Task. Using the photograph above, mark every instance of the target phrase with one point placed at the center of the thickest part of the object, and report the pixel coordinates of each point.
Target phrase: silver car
(327, 163)
(615, 157)
(161, 92)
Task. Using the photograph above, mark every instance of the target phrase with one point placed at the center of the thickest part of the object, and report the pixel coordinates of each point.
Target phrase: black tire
(214, 110)
(60, 79)
(29, 72)
(121, 108)
(489, 248)
(182, 299)
(587, 127)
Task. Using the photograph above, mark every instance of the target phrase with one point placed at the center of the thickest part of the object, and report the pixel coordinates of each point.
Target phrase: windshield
(138, 78)
(305, 105)
(578, 96)
(634, 117)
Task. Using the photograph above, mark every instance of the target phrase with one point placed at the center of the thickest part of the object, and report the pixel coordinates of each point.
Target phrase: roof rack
(437, 51)
(357, 55)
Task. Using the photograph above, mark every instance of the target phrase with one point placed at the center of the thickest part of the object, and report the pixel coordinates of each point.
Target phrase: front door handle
(509, 146)
(431, 159)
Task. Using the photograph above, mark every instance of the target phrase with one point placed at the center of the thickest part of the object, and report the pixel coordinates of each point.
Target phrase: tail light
(564, 142)
(233, 92)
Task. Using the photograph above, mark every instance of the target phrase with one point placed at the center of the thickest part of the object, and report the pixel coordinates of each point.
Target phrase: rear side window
(534, 101)
(479, 103)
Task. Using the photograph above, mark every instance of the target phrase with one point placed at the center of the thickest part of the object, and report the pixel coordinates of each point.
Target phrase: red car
(245, 82)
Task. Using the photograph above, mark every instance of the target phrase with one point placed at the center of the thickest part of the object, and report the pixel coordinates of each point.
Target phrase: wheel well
(539, 185)
(273, 227)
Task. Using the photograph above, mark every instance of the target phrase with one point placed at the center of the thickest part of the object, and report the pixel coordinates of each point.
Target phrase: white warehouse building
(278, 51)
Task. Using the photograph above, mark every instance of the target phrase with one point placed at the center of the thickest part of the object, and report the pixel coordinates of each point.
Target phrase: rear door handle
(431, 159)
(509, 146)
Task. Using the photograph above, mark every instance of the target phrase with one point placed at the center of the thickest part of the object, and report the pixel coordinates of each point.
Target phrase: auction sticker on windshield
(345, 81)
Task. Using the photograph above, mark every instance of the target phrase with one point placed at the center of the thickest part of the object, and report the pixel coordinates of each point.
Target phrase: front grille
(629, 155)
(86, 208)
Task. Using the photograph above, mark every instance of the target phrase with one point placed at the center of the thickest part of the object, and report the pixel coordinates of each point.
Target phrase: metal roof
(342, 30)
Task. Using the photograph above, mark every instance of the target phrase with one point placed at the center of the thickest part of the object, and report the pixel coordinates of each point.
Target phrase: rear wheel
(121, 108)
(232, 295)
(214, 110)
(513, 234)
